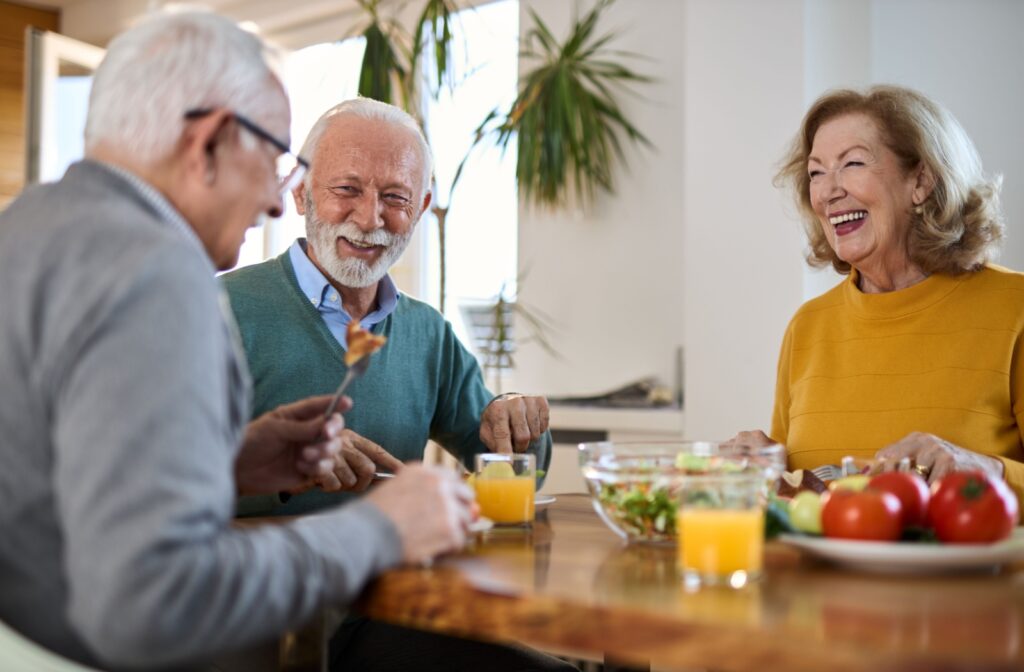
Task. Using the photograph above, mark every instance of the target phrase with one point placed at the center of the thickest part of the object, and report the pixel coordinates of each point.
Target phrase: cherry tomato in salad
(968, 507)
(912, 492)
(870, 515)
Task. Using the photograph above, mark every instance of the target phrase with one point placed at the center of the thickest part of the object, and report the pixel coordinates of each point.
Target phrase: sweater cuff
(505, 395)
(1013, 474)
(355, 543)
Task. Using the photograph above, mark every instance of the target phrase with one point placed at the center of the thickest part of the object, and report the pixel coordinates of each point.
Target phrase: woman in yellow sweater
(919, 353)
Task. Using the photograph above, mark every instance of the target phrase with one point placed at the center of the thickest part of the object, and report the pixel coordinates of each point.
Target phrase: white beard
(350, 271)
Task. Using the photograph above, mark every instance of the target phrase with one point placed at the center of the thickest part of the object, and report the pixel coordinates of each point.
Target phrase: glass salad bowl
(636, 487)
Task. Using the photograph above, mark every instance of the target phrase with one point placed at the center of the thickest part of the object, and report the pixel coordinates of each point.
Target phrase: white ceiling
(290, 23)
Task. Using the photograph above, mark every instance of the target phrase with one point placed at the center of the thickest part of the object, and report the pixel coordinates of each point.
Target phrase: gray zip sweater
(121, 409)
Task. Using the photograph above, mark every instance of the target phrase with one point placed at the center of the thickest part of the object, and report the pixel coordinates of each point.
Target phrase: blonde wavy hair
(958, 228)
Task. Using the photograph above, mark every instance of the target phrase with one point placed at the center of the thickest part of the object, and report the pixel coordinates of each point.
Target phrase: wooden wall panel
(13, 21)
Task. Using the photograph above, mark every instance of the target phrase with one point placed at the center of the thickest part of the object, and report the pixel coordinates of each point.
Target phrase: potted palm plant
(566, 120)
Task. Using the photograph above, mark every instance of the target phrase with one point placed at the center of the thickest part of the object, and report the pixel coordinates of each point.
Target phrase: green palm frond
(434, 31)
(381, 73)
(566, 119)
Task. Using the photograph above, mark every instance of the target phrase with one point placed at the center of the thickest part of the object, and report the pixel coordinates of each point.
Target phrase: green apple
(805, 512)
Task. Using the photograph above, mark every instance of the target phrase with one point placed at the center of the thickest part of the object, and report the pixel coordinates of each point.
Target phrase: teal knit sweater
(422, 384)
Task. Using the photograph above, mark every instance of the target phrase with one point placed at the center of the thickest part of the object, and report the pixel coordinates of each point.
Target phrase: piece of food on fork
(361, 343)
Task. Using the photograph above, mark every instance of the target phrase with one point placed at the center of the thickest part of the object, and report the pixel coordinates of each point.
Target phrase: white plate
(541, 500)
(909, 557)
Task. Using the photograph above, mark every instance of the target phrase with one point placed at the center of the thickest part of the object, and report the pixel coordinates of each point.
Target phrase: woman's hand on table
(934, 457)
(511, 421)
(288, 448)
(431, 509)
(356, 463)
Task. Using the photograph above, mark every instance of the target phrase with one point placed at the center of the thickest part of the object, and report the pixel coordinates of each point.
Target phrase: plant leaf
(566, 120)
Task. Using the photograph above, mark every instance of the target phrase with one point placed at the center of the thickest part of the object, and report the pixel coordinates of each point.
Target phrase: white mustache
(356, 235)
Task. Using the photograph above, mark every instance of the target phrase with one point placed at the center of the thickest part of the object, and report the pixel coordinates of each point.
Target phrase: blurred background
(685, 276)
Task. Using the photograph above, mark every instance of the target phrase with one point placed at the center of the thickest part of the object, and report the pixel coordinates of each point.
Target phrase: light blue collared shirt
(326, 299)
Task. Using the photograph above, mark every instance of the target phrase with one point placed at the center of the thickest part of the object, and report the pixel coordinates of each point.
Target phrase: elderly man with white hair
(367, 187)
(123, 436)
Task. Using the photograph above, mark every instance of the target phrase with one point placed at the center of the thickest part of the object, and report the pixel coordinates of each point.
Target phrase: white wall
(695, 249)
(613, 276)
(743, 90)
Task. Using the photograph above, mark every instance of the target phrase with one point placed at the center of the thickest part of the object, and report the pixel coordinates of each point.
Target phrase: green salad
(645, 507)
(640, 510)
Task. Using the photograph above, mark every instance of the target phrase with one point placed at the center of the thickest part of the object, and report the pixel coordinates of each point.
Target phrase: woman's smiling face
(861, 194)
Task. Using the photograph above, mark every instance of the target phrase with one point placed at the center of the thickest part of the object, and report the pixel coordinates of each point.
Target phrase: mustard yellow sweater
(946, 356)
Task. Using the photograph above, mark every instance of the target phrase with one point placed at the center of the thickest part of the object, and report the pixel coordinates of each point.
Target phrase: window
(482, 222)
(317, 78)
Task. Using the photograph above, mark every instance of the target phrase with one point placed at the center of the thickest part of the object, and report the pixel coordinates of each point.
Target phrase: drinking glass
(771, 458)
(721, 527)
(505, 486)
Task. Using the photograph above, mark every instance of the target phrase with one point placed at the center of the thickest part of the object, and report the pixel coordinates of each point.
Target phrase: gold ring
(922, 470)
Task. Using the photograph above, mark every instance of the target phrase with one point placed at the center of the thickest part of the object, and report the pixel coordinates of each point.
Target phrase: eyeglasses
(291, 167)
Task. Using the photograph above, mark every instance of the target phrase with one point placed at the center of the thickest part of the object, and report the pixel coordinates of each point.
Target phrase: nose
(366, 212)
(834, 183)
(829, 188)
(276, 206)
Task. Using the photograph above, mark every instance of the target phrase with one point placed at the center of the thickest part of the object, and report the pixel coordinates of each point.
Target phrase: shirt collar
(319, 291)
(164, 209)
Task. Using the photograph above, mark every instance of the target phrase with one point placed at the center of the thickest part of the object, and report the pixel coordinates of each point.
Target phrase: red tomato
(870, 515)
(912, 492)
(968, 507)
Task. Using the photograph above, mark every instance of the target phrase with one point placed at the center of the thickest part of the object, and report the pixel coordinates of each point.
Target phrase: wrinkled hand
(356, 463)
(755, 438)
(510, 423)
(289, 447)
(430, 507)
(934, 457)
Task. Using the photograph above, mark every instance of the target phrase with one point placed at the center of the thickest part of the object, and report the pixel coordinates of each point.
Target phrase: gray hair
(372, 110)
(170, 63)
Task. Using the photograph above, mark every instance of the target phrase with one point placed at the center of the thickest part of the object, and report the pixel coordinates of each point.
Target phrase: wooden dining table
(567, 584)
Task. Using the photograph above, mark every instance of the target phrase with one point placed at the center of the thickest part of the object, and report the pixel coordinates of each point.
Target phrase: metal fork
(830, 472)
(827, 472)
(354, 371)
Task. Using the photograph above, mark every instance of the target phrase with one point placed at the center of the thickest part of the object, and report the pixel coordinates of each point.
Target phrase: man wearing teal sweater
(367, 187)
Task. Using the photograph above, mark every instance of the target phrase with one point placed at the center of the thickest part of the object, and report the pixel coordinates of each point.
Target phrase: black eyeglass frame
(252, 127)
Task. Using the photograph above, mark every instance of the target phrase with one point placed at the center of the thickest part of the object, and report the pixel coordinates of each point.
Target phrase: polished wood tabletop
(569, 585)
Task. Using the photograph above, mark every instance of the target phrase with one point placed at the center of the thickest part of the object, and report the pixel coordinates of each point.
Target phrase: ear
(426, 203)
(299, 196)
(198, 142)
(924, 184)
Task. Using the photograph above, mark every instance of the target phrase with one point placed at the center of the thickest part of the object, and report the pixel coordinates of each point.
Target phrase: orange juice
(506, 500)
(721, 541)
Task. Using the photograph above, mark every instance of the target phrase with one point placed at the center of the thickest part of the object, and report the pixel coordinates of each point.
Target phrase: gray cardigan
(121, 409)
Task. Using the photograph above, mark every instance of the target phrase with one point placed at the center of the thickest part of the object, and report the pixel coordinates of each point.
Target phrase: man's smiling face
(365, 195)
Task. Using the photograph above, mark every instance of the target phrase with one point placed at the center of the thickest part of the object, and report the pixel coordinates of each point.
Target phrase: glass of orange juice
(505, 485)
(721, 527)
